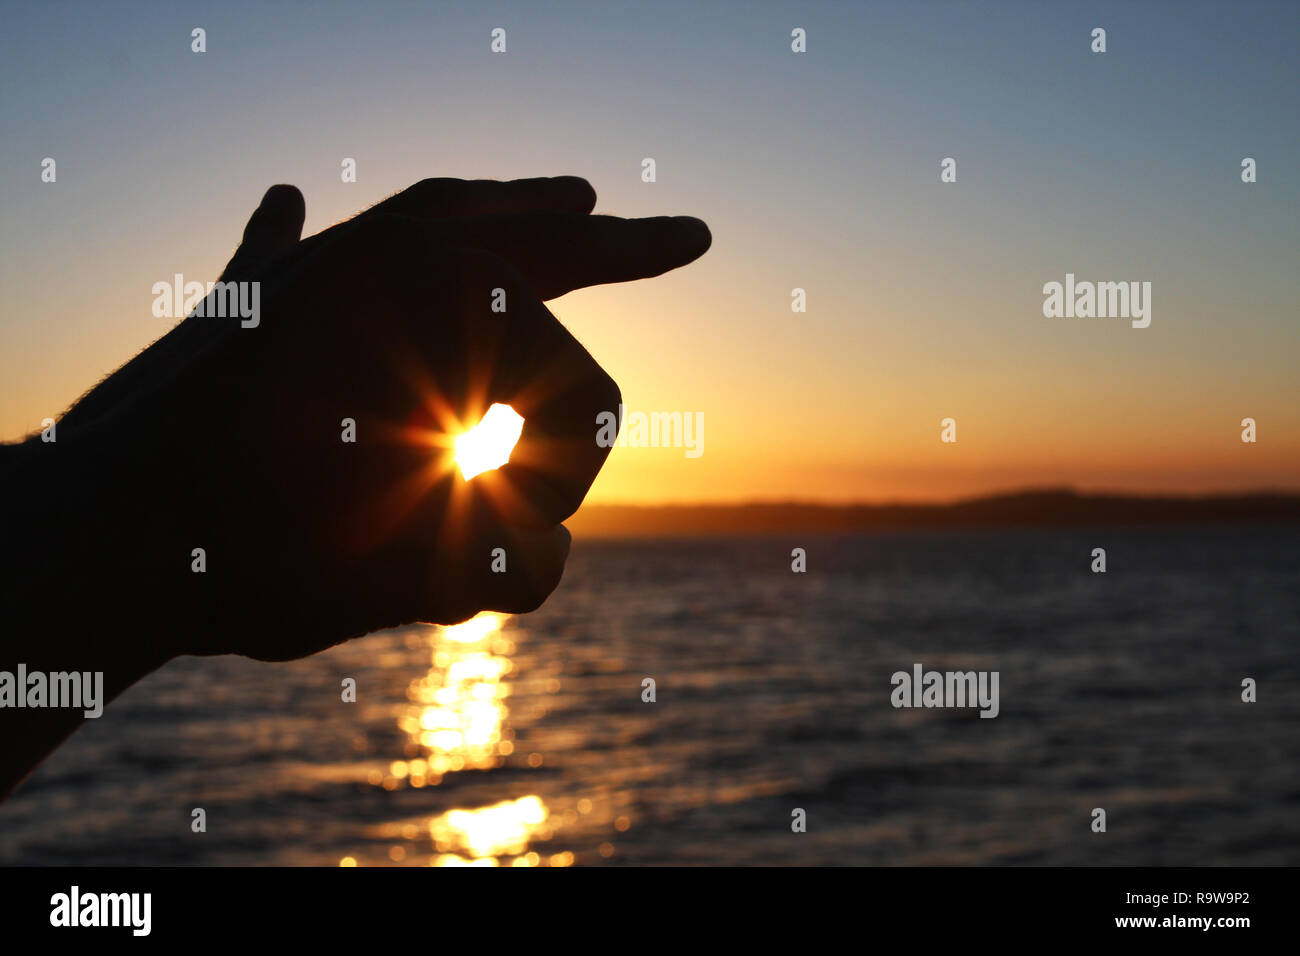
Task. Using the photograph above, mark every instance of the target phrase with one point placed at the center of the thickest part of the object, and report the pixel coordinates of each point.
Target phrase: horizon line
(1032, 490)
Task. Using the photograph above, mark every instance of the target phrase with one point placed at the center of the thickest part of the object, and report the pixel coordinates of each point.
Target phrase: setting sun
(488, 444)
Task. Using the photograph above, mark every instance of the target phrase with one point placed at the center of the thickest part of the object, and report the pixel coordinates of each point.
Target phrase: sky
(816, 170)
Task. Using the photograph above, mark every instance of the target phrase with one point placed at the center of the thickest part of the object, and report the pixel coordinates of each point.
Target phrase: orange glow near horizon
(860, 420)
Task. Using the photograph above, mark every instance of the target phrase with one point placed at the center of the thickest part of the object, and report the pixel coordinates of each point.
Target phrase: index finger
(558, 252)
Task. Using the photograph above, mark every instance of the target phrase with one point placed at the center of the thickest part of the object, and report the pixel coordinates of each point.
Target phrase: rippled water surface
(525, 740)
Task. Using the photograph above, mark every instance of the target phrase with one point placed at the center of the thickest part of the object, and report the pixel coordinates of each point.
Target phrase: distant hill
(1025, 509)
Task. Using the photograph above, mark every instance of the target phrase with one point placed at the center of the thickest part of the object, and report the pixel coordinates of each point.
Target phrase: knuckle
(433, 187)
(608, 396)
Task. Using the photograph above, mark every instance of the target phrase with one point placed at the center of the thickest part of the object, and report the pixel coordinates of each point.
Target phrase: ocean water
(525, 740)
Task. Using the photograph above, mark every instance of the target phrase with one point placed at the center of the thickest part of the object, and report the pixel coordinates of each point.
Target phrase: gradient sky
(818, 170)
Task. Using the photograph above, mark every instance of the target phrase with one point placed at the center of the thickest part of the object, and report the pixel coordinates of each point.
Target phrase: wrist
(86, 543)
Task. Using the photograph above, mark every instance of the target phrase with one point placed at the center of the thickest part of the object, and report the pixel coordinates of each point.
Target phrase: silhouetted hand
(230, 439)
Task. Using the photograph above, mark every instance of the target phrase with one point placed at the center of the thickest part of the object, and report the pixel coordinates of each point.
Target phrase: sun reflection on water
(480, 837)
(457, 721)
(459, 718)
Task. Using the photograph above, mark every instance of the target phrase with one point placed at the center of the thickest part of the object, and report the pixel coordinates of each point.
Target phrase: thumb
(511, 571)
(274, 228)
